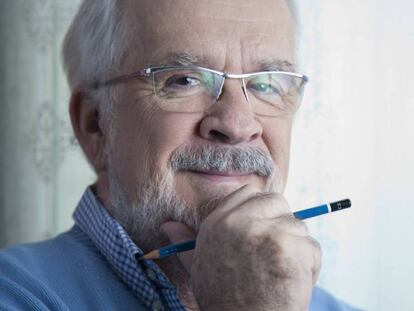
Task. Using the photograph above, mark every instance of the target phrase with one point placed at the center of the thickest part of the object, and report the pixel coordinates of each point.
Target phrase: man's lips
(226, 177)
(222, 178)
(223, 174)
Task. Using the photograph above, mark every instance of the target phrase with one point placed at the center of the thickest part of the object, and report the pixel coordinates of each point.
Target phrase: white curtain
(353, 137)
(43, 172)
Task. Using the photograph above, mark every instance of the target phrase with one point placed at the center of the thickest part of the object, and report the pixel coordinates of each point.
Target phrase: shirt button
(151, 274)
(157, 305)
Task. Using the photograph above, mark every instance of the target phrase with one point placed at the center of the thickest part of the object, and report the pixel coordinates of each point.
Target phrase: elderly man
(184, 109)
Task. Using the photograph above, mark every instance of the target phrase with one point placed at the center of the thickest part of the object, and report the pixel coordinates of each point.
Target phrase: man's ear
(85, 118)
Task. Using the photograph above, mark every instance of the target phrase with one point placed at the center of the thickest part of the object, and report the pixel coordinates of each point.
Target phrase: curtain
(353, 137)
(43, 171)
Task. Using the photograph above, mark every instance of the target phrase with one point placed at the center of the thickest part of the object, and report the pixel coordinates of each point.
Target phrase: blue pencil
(303, 214)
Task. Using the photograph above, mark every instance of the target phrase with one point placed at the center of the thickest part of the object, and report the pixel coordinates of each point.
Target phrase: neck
(177, 274)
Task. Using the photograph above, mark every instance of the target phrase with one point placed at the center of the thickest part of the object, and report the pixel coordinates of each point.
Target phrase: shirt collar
(145, 278)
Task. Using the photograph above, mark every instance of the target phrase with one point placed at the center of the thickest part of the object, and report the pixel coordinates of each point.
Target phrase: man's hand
(251, 254)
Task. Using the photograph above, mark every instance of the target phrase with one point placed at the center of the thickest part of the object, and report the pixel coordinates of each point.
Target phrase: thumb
(178, 232)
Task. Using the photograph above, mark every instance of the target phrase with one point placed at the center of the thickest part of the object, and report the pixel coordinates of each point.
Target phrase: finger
(235, 199)
(307, 253)
(265, 206)
(313, 257)
(317, 255)
(272, 212)
(178, 232)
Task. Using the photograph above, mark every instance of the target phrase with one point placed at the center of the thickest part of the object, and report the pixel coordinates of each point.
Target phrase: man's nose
(231, 120)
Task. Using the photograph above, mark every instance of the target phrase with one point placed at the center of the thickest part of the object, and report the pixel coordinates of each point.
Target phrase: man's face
(235, 36)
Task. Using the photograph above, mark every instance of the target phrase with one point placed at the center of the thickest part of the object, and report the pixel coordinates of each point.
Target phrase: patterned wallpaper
(42, 166)
(45, 22)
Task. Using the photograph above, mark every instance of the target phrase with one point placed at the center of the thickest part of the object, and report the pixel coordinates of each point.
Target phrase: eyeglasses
(197, 89)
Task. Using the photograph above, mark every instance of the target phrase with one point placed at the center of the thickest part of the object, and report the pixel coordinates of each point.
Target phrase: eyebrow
(275, 65)
(187, 59)
(181, 59)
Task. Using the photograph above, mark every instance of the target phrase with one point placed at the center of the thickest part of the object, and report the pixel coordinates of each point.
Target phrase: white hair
(95, 42)
(94, 47)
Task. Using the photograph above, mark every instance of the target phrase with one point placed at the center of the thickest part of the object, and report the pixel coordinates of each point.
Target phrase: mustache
(222, 159)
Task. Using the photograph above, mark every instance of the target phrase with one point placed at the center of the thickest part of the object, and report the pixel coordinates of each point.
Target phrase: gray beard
(157, 204)
(157, 201)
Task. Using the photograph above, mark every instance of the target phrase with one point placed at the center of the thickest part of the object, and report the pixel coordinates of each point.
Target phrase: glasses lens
(186, 89)
(196, 90)
(275, 94)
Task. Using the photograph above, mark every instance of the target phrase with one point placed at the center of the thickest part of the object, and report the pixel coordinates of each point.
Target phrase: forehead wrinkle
(240, 26)
(239, 6)
(227, 28)
(263, 13)
(231, 4)
(258, 56)
(242, 20)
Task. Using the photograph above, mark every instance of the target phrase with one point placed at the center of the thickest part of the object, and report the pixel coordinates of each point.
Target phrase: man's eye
(182, 82)
(266, 88)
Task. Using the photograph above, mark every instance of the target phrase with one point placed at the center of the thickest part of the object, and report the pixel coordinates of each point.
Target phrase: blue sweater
(65, 273)
(69, 273)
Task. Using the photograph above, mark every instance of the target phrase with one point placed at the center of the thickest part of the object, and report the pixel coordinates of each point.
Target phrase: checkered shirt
(145, 279)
